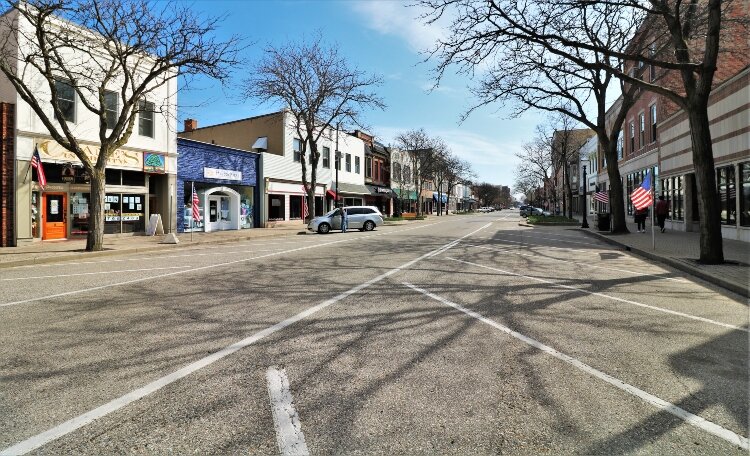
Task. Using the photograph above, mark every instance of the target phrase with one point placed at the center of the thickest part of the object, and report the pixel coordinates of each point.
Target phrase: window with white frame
(349, 163)
(326, 157)
(110, 108)
(642, 129)
(632, 137)
(146, 118)
(297, 147)
(653, 122)
(66, 100)
(356, 165)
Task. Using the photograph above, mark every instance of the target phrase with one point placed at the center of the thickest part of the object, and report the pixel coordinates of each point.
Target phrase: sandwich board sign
(154, 225)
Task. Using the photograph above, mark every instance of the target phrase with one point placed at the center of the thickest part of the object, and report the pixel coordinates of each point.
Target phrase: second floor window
(632, 137)
(653, 123)
(368, 167)
(642, 129)
(110, 108)
(297, 150)
(326, 157)
(349, 163)
(397, 171)
(356, 165)
(620, 140)
(146, 118)
(66, 100)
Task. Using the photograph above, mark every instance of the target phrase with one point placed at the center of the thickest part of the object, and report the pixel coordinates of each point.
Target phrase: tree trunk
(95, 237)
(711, 242)
(616, 193)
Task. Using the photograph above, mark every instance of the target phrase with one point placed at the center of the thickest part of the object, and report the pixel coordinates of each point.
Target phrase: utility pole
(585, 209)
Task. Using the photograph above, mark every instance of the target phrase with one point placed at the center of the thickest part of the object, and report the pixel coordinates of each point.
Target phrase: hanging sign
(154, 163)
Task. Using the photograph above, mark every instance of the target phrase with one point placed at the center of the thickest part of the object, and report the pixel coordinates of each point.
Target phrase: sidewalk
(681, 250)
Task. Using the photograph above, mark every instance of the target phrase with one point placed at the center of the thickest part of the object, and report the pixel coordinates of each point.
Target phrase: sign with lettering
(125, 159)
(154, 163)
(223, 174)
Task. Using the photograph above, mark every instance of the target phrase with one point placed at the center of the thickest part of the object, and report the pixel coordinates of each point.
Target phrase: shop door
(54, 218)
(219, 213)
(212, 222)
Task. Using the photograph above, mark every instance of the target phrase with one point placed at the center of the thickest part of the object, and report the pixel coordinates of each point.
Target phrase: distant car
(538, 211)
(363, 218)
(524, 210)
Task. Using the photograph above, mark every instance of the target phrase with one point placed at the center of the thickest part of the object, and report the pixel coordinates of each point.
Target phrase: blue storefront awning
(443, 197)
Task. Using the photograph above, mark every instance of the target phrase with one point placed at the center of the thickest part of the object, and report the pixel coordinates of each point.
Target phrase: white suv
(363, 218)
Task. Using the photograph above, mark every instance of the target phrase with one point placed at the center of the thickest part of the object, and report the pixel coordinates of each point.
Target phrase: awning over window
(404, 194)
(375, 190)
(332, 194)
(261, 143)
(443, 197)
(350, 189)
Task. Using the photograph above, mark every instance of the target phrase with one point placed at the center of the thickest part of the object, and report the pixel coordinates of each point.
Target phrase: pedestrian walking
(662, 209)
(344, 220)
(639, 216)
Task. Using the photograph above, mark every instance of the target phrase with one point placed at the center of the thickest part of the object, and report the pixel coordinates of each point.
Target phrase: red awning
(332, 194)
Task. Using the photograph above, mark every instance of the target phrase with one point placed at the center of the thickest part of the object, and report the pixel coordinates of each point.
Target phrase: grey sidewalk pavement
(681, 250)
(52, 251)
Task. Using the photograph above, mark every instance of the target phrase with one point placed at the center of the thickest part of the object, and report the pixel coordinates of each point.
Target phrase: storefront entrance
(219, 213)
(55, 216)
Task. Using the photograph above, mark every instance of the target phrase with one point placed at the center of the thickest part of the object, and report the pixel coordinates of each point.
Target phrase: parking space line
(614, 298)
(91, 273)
(79, 421)
(289, 435)
(577, 263)
(661, 404)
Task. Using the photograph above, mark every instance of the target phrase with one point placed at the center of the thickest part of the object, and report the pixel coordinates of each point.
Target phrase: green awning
(405, 194)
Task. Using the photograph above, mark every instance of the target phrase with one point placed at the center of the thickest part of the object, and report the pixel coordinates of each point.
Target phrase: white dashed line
(92, 273)
(657, 402)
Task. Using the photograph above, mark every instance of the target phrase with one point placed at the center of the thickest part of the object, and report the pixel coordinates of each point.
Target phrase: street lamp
(585, 223)
(337, 164)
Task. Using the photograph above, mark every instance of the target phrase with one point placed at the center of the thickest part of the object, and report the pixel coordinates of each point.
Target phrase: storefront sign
(68, 173)
(154, 163)
(224, 174)
(127, 159)
(382, 190)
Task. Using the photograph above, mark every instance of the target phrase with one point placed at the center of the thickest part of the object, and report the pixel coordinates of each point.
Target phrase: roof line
(235, 121)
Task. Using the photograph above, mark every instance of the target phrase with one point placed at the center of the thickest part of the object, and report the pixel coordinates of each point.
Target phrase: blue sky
(383, 37)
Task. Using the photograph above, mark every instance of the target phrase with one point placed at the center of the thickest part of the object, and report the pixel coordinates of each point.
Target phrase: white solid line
(657, 402)
(92, 273)
(200, 268)
(614, 298)
(289, 434)
(79, 421)
(577, 263)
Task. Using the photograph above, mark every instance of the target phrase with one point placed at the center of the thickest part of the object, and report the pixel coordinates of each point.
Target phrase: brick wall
(7, 183)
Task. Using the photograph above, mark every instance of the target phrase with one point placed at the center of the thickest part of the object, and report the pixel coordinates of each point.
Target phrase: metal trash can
(603, 221)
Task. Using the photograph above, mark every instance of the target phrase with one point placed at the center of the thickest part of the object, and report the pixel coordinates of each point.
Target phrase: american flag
(36, 163)
(196, 207)
(601, 197)
(641, 196)
(305, 209)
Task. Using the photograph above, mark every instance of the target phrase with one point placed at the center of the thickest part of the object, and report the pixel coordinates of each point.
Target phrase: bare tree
(535, 166)
(514, 68)
(321, 90)
(486, 193)
(112, 54)
(457, 171)
(681, 38)
(420, 149)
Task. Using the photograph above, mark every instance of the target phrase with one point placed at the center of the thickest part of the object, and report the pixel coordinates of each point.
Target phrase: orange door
(55, 217)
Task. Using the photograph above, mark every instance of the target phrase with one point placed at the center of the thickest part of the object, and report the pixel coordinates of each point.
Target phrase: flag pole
(192, 219)
(653, 207)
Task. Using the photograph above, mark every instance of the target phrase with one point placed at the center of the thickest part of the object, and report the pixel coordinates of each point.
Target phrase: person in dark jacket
(640, 219)
(662, 209)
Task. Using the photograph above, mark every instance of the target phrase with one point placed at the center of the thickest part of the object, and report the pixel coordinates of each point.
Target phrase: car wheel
(324, 228)
(369, 226)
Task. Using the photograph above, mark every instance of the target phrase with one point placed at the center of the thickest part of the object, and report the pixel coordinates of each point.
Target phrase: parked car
(538, 211)
(363, 218)
(524, 209)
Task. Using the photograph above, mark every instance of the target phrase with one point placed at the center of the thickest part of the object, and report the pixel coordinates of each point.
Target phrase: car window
(368, 210)
(353, 210)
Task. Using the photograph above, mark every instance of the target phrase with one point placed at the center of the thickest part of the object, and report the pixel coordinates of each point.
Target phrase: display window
(36, 215)
(276, 210)
(79, 211)
(246, 207)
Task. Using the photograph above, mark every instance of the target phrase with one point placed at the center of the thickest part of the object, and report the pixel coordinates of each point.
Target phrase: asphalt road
(461, 335)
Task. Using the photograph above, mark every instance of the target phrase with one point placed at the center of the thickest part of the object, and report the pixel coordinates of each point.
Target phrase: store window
(295, 207)
(319, 206)
(146, 118)
(246, 207)
(276, 210)
(112, 211)
(727, 195)
(66, 100)
(326, 157)
(745, 195)
(188, 223)
(36, 215)
(112, 177)
(133, 178)
(79, 211)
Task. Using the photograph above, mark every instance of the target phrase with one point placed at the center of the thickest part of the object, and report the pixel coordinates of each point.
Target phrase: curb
(677, 264)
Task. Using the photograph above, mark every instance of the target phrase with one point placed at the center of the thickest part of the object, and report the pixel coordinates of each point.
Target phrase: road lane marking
(614, 298)
(79, 421)
(577, 263)
(657, 402)
(289, 435)
(199, 268)
(92, 273)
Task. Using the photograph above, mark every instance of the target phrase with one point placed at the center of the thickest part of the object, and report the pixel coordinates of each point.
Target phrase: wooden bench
(409, 215)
